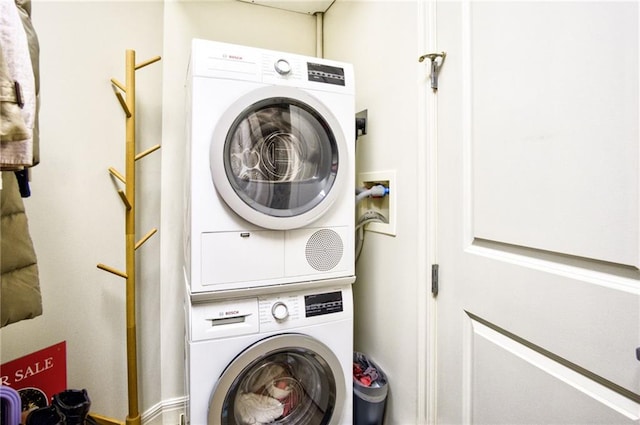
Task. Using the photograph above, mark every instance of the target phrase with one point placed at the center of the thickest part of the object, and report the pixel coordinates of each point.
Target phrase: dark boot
(48, 415)
(74, 404)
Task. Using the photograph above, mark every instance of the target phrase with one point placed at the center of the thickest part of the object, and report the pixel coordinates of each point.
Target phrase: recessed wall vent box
(307, 6)
(385, 206)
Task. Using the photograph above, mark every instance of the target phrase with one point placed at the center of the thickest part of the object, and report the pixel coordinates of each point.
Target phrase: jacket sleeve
(24, 9)
(17, 58)
(12, 125)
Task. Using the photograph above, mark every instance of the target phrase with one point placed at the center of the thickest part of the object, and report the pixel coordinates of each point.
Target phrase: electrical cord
(369, 216)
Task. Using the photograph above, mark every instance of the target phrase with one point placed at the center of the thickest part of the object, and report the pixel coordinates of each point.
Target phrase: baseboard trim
(166, 412)
(104, 420)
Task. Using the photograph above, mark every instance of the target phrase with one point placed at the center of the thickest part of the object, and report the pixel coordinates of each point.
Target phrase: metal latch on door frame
(435, 66)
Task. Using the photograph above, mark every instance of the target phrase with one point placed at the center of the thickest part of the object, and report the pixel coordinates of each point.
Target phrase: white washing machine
(273, 359)
(271, 169)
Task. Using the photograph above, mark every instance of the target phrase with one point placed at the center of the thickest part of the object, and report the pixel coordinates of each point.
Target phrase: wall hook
(435, 66)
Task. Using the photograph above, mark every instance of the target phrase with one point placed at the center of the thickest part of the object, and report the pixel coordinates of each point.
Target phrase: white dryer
(276, 359)
(271, 169)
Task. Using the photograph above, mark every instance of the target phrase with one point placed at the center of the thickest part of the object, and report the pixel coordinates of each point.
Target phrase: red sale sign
(37, 376)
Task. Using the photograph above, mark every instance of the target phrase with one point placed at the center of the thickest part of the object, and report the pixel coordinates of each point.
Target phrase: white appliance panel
(229, 257)
(316, 251)
(209, 353)
(224, 319)
(219, 75)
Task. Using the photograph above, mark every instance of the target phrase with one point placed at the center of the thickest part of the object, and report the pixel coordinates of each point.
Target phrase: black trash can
(369, 398)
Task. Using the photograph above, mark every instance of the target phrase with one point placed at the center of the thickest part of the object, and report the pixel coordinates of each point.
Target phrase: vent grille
(324, 250)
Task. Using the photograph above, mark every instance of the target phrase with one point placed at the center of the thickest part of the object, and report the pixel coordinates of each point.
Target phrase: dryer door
(278, 158)
(288, 379)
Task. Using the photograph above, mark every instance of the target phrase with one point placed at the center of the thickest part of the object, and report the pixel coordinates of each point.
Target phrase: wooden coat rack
(128, 198)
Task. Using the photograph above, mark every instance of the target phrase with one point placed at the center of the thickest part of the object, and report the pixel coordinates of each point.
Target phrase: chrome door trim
(218, 172)
(266, 347)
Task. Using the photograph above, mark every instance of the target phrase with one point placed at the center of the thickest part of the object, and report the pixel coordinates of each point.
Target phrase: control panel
(279, 312)
(291, 68)
(234, 62)
(282, 69)
(290, 310)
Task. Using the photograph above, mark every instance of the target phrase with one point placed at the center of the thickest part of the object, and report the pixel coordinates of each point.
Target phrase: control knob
(282, 67)
(280, 311)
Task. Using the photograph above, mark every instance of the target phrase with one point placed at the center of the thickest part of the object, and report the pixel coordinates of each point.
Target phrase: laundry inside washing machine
(284, 388)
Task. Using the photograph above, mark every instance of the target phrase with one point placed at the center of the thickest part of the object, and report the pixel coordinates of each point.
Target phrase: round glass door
(281, 157)
(275, 158)
(300, 383)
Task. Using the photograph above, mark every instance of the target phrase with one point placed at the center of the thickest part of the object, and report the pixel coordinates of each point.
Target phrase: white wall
(381, 40)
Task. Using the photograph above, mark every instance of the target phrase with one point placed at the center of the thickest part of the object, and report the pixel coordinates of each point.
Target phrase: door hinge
(435, 66)
(434, 280)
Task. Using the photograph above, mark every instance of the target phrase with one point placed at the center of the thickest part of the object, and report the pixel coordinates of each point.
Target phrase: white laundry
(278, 392)
(255, 409)
(266, 375)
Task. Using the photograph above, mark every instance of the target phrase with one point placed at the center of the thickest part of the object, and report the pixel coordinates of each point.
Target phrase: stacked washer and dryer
(269, 255)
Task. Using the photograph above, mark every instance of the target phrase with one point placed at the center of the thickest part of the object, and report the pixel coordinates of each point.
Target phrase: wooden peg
(112, 270)
(123, 103)
(146, 237)
(117, 175)
(124, 198)
(147, 152)
(147, 62)
(118, 84)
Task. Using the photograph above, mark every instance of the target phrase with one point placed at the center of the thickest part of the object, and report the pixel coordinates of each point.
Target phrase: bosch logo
(234, 57)
(231, 313)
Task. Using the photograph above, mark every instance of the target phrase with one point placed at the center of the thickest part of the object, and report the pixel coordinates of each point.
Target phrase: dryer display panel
(289, 386)
(325, 74)
(320, 304)
(281, 157)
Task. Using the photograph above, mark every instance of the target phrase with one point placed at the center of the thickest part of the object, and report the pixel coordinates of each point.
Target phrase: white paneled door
(538, 311)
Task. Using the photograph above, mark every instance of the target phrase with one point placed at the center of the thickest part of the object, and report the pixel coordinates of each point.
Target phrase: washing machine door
(285, 379)
(278, 158)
